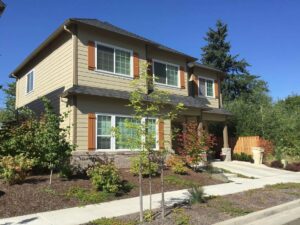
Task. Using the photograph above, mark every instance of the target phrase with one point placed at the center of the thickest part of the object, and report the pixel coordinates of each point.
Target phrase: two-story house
(85, 68)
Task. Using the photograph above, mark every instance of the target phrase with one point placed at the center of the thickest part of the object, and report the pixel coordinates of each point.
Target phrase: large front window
(166, 74)
(114, 60)
(115, 132)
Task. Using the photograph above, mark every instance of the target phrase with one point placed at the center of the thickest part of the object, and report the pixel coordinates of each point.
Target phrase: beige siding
(100, 79)
(105, 80)
(209, 101)
(53, 73)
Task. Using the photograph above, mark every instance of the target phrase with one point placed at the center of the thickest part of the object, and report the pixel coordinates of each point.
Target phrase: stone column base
(226, 152)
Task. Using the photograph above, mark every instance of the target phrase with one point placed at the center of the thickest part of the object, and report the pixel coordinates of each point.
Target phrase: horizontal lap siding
(52, 73)
(92, 78)
(211, 102)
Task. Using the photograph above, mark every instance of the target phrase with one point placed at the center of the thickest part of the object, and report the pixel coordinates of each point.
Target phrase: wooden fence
(244, 144)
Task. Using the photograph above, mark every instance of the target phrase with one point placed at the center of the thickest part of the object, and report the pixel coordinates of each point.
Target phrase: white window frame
(166, 63)
(113, 138)
(213, 87)
(33, 81)
(115, 48)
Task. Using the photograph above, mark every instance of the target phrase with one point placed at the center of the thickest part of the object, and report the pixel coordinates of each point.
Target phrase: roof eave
(39, 48)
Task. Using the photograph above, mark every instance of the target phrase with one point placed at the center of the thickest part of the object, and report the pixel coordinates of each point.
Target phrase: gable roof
(110, 27)
(99, 25)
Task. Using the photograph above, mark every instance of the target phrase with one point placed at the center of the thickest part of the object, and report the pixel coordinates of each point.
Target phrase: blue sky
(265, 33)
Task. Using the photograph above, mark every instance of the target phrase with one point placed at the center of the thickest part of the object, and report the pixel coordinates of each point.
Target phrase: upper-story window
(114, 60)
(166, 73)
(206, 87)
(30, 81)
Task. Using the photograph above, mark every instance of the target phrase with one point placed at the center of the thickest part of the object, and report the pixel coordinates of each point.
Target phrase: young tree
(51, 139)
(150, 108)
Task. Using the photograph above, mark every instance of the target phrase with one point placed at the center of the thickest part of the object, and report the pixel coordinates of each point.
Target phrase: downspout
(74, 33)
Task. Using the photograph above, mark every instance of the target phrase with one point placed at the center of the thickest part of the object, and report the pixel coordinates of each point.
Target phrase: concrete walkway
(80, 215)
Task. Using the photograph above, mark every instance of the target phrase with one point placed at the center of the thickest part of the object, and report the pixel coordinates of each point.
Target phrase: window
(107, 140)
(114, 60)
(103, 132)
(29, 86)
(125, 132)
(166, 74)
(151, 132)
(206, 87)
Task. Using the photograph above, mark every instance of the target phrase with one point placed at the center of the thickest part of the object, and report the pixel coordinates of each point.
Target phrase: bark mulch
(35, 194)
(222, 208)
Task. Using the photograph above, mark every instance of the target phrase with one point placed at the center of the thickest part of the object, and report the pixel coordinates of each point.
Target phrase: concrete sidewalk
(80, 215)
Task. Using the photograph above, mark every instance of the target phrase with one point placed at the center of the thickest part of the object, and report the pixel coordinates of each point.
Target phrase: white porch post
(226, 150)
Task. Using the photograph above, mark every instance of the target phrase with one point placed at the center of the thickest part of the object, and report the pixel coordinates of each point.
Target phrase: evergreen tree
(238, 81)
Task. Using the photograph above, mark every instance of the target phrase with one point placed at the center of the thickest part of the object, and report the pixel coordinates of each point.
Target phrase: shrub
(242, 157)
(177, 164)
(180, 218)
(146, 169)
(105, 177)
(197, 195)
(192, 146)
(293, 167)
(15, 169)
(86, 196)
(276, 164)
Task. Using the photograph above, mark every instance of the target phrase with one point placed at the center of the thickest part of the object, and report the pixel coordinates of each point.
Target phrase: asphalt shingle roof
(110, 27)
(188, 101)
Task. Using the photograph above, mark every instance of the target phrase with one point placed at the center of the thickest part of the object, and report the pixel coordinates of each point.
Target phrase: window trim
(114, 72)
(213, 87)
(33, 81)
(166, 63)
(113, 138)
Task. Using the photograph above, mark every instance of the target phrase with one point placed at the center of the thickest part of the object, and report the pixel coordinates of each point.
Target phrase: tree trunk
(141, 191)
(50, 179)
(162, 191)
(150, 185)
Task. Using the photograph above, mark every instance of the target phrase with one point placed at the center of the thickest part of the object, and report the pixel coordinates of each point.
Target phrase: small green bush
(15, 169)
(86, 196)
(112, 221)
(242, 157)
(180, 217)
(105, 177)
(197, 195)
(146, 171)
(177, 164)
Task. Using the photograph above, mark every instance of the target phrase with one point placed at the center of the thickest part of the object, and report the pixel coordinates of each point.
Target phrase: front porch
(213, 122)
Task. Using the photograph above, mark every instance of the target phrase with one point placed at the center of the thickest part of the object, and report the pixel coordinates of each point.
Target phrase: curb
(252, 217)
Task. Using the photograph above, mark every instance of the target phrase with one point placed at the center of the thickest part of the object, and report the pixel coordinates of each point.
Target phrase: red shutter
(161, 134)
(136, 66)
(182, 80)
(91, 55)
(216, 89)
(91, 132)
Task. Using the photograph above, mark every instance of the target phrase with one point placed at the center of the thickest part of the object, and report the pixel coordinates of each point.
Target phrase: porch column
(226, 151)
(225, 137)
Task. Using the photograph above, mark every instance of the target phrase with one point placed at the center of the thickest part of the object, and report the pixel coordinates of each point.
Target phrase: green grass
(230, 208)
(86, 196)
(112, 221)
(176, 180)
(282, 186)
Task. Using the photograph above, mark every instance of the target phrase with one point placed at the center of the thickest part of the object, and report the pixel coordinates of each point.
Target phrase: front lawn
(35, 194)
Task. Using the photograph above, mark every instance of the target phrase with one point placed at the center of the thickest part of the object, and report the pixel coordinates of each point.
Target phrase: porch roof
(188, 101)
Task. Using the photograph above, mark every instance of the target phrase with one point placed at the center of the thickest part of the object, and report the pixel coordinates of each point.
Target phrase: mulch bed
(222, 208)
(35, 195)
